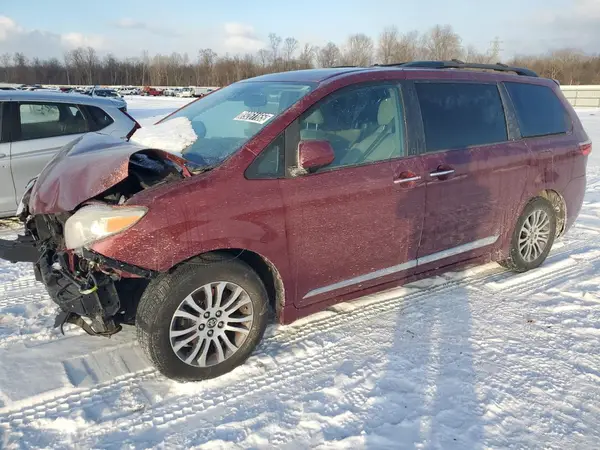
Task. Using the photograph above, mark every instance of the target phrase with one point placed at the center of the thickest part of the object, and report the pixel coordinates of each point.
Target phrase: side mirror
(313, 155)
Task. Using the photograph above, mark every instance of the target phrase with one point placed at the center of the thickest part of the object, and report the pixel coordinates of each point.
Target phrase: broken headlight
(94, 222)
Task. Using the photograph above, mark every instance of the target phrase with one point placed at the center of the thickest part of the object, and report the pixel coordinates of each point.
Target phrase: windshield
(228, 118)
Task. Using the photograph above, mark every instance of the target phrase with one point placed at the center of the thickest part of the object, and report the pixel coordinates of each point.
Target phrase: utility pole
(495, 49)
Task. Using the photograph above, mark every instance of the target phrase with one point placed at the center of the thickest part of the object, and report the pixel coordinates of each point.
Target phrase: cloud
(577, 26)
(42, 44)
(131, 24)
(7, 28)
(74, 40)
(240, 37)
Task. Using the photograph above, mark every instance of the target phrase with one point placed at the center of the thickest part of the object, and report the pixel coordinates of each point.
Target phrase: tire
(517, 260)
(168, 294)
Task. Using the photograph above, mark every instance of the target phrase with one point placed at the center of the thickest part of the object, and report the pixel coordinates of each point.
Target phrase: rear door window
(539, 111)
(44, 120)
(459, 115)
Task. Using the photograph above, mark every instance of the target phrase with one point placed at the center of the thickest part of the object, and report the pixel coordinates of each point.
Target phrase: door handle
(442, 173)
(407, 180)
(2, 155)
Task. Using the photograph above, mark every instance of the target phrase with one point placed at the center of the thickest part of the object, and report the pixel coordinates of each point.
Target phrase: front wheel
(533, 236)
(204, 319)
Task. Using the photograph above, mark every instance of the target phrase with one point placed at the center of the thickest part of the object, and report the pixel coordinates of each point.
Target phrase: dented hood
(84, 169)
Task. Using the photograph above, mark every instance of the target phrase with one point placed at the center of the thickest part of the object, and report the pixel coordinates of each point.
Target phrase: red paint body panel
(315, 154)
(84, 169)
(324, 228)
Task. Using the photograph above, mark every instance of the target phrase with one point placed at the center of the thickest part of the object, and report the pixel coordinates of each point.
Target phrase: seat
(310, 127)
(383, 143)
(311, 130)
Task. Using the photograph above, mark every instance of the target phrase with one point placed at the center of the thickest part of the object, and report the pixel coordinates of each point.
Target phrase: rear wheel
(533, 236)
(202, 320)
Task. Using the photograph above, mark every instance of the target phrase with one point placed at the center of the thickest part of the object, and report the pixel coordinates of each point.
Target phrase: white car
(186, 92)
(129, 91)
(41, 123)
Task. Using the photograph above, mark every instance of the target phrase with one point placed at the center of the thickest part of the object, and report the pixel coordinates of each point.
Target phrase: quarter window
(362, 125)
(270, 162)
(459, 115)
(99, 118)
(539, 111)
(43, 120)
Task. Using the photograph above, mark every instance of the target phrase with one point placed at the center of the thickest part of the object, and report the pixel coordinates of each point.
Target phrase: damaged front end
(92, 291)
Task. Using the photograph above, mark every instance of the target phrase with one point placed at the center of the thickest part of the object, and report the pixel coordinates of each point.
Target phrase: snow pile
(172, 135)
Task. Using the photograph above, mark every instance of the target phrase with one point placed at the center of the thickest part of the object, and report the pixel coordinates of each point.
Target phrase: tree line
(84, 66)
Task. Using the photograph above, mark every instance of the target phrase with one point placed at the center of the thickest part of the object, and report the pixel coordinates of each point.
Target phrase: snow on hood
(173, 135)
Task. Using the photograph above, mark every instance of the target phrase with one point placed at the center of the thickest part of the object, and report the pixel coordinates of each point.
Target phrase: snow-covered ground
(483, 358)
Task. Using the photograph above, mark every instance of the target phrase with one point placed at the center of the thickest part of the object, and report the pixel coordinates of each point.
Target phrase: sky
(43, 28)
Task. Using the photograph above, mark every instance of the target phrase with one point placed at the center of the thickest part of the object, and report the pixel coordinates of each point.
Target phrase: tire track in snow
(6, 302)
(277, 342)
(61, 406)
(532, 280)
(26, 282)
(289, 336)
(184, 407)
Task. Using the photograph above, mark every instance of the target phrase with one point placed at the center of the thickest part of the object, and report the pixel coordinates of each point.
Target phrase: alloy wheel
(534, 235)
(211, 324)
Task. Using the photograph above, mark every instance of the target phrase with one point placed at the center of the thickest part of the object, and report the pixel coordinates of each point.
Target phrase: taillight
(585, 148)
(137, 126)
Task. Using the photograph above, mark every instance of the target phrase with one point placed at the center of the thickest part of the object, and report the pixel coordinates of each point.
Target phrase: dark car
(303, 189)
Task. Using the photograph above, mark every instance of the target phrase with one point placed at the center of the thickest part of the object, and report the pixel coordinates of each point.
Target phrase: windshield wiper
(198, 169)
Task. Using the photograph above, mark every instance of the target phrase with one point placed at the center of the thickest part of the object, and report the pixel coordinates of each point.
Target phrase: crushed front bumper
(89, 285)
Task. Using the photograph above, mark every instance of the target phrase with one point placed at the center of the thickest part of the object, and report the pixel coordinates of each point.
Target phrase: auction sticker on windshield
(255, 117)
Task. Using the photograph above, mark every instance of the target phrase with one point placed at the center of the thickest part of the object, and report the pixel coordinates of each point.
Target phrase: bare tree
(274, 44)
(329, 55)
(307, 56)
(145, 66)
(290, 45)
(5, 61)
(408, 48)
(83, 66)
(91, 62)
(20, 64)
(388, 45)
(442, 43)
(204, 68)
(358, 51)
(263, 56)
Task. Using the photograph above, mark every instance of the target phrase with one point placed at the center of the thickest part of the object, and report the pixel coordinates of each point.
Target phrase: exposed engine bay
(85, 284)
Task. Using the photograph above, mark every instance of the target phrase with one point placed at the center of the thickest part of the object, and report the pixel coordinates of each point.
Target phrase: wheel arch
(265, 269)
(560, 207)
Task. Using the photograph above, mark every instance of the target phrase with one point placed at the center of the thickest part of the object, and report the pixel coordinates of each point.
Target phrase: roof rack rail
(457, 64)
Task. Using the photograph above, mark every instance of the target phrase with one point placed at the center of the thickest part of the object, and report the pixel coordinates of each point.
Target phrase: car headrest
(315, 117)
(387, 111)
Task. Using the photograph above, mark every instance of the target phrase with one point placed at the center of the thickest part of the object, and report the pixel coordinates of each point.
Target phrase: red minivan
(302, 189)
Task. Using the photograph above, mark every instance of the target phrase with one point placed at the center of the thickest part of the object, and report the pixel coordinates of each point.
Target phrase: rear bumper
(573, 195)
(23, 249)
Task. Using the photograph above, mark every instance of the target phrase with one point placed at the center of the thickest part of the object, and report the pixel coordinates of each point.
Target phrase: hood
(84, 169)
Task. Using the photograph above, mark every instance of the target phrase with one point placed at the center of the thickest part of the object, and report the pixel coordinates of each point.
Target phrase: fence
(583, 96)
